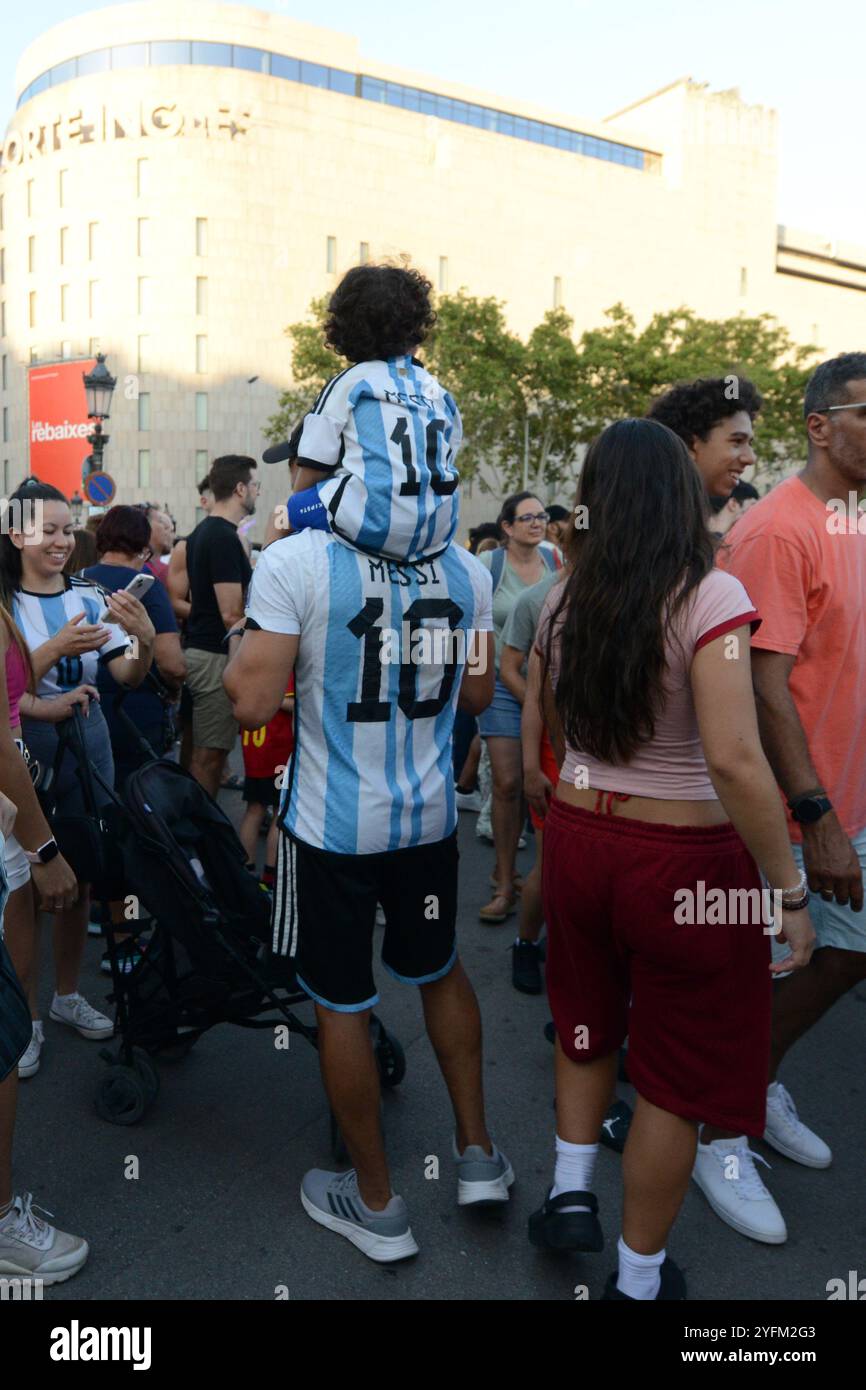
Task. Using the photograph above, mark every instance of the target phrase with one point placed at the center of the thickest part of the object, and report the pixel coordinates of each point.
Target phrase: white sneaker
(787, 1133)
(468, 801)
(31, 1249)
(29, 1063)
(75, 1012)
(740, 1199)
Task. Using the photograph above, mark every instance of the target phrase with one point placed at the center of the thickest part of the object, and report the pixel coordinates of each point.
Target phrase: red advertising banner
(58, 423)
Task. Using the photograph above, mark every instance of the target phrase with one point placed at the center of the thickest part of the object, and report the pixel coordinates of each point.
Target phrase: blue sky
(588, 58)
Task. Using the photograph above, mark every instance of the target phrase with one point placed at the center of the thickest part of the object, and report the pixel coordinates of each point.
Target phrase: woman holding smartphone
(665, 805)
(58, 616)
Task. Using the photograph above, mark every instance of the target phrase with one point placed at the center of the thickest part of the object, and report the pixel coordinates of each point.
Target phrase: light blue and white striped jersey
(391, 433)
(371, 770)
(41, 616)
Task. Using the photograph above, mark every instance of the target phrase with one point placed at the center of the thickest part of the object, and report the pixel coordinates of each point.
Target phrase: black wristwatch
(810, 807)
(44, 854)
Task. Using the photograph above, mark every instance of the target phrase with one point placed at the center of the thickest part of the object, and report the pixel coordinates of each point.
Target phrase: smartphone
(138, 587)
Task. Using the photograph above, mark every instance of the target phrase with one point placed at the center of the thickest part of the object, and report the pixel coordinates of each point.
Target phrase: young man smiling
(714, 417)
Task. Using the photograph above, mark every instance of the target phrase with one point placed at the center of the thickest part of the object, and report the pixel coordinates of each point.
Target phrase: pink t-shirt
(16, 681)
(672, 766)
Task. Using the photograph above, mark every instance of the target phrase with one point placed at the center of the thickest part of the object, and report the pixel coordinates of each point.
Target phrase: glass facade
(227, 55)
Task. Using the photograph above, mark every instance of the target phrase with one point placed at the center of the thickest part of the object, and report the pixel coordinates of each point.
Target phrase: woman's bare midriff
(646, 808)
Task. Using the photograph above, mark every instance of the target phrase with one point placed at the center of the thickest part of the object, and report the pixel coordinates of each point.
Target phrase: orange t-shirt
(805, 570)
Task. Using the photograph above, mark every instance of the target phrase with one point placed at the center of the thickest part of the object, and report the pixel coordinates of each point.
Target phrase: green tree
(623, 369)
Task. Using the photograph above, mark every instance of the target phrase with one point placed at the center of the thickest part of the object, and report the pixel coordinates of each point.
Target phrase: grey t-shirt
(522, 621)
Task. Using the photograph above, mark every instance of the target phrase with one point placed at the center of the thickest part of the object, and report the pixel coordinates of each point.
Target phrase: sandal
(517, 883)
(501, 905)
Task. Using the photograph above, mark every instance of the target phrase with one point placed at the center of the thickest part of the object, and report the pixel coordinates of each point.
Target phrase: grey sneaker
(75, 1012)
(334, 1201)
(28, 1064)
(482, 1179)
(31, 1248)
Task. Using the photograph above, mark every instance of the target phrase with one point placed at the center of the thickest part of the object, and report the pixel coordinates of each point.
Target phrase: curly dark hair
(379, 311)
(632, 569)
(693, 408)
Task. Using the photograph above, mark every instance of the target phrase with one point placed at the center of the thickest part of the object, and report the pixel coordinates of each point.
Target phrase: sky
(588, 59)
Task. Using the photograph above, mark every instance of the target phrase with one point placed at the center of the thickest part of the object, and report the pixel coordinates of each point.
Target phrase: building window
(144, 410)
(3, 319)
(744, 280)
(64, 245)
(65, 349)
(144, 468)
(32, 308)
(331, 260)
(201, 236)
(2, 265)
(201, 410)
(92, 240)
(201, 352)
(144, 352)
(201, 294)
(34, 355)
(143, 238)
(142, 177)
(94, 346)
(64, 302)
(202, 464)
(5, 424)
(92, 297)
(145, 294)
(5, 477)
(5, 370)
(29, 197)
(62, 187)
(31, 254)
(443, 274)
(364, 253)
(1, 213)
(557, 291)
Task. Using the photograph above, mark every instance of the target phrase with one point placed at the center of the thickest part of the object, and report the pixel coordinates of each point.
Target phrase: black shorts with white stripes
(325, 913)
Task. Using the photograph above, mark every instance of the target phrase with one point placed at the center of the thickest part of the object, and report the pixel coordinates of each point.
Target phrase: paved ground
(215, 1214)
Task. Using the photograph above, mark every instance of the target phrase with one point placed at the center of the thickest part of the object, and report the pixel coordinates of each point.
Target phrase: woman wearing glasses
(514, 568)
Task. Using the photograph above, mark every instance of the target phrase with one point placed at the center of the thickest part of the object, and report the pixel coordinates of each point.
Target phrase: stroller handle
(159, 688)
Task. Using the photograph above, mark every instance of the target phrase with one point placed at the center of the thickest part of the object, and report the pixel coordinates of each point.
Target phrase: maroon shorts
(692, 998)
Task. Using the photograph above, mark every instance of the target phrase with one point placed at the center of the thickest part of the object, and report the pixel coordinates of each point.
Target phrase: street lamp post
(99, 388)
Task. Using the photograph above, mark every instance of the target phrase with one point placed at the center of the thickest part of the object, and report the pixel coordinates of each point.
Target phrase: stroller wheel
(390, 1059)
(148, 1073)
(121, 1097)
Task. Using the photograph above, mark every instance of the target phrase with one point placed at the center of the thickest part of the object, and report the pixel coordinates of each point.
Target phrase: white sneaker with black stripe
(333, 1200)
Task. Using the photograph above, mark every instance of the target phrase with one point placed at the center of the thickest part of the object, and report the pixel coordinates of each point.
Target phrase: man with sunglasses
(806, 575)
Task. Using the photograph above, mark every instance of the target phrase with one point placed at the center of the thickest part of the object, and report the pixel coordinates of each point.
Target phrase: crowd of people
(661, 683)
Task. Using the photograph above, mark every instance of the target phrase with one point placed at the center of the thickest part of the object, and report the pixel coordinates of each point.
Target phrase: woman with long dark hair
(666, 805)
(59, 618)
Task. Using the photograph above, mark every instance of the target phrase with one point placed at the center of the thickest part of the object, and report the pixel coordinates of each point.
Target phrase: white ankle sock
(575, 1165)
(639, 1275)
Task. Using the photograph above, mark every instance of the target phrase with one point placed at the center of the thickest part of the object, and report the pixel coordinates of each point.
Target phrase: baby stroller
(166, 849)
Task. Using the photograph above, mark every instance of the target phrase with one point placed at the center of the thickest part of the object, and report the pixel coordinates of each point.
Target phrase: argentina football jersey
(391, 433)
(377, 678)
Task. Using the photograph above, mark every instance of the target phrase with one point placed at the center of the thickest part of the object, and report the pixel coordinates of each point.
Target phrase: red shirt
(269, 748)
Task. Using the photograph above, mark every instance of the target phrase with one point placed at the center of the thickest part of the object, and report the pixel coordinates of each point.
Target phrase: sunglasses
(831, 409)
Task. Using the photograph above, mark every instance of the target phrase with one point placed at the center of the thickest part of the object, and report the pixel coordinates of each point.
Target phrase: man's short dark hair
(379, 311)
(204, 485)
(693, 408)
(557, 513)
(126, 529)
(828, 384)
(227, 472)
(485, 531)
(746, 492)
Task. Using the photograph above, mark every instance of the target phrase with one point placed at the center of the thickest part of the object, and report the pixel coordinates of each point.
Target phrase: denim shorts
(501, 719)
(837, 925)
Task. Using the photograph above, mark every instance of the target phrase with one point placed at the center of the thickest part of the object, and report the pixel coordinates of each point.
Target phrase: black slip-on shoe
(614, 1130)
(551, 1228)
(526, 958)
(672, 1290)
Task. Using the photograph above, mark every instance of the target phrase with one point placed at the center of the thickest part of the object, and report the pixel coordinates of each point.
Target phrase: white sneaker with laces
(468, 801)
(28, 1064)
(31, 1249)
(726, 1174)
(75, 1012)
(786, 1132)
